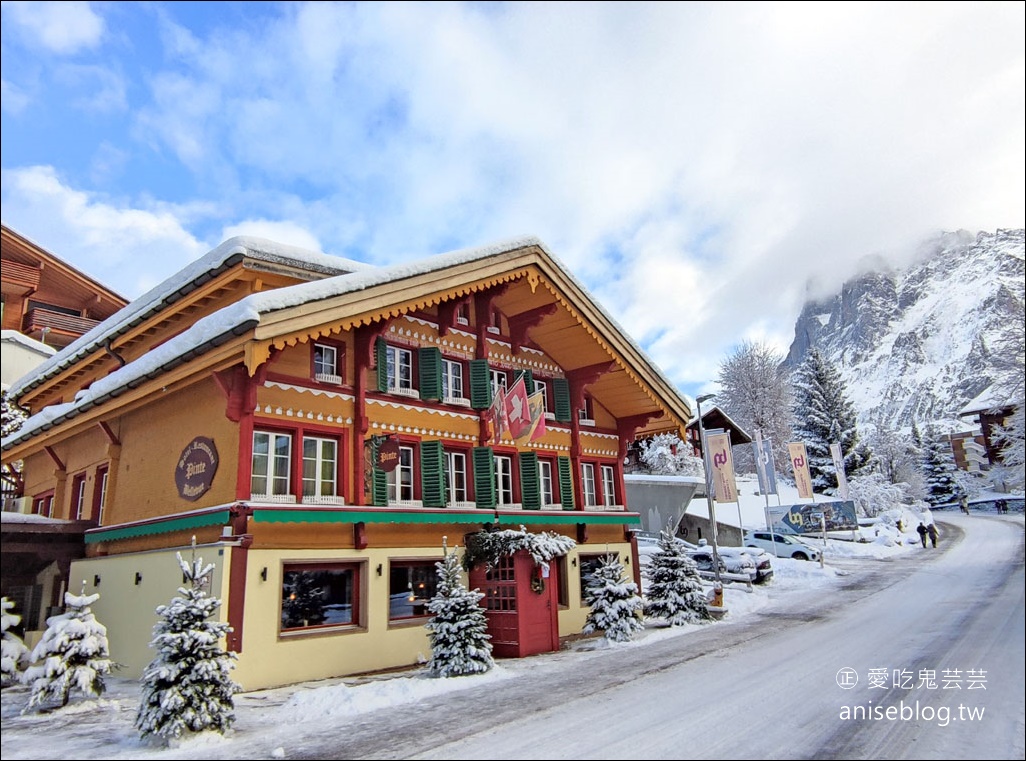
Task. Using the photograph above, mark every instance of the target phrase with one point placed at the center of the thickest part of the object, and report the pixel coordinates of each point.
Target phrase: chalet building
(46, 298)
(321, 427)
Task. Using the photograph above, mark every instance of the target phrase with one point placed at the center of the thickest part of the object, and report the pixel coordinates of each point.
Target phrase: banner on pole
(842, 478)
(800, 465)
(724, 486)
(764, 464)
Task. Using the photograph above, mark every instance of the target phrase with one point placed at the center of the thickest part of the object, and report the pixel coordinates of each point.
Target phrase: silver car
(781, 545)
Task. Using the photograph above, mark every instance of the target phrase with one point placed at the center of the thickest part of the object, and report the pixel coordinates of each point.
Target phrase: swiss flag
(518, 412)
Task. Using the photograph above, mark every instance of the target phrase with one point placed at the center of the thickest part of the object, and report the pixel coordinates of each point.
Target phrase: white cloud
(62, 27)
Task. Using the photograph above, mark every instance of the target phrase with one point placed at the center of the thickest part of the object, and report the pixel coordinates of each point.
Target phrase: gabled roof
(177, 287)
(719, 419)
(275, 313)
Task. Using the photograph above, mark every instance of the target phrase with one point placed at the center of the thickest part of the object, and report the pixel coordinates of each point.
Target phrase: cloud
(64, 28)
(127, 249)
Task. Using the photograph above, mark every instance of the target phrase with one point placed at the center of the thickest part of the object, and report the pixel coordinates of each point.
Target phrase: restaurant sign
(196, 468)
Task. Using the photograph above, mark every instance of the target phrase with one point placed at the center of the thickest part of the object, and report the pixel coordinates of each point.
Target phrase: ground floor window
(588, 564)
(411, 585)
(317, 595)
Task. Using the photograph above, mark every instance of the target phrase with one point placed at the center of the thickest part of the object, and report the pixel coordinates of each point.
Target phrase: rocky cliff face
(923, 342)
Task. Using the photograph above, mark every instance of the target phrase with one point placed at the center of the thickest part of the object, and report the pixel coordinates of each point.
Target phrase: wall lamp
(379, 569)
(138, 578)
(573, 562)
(96, 580)
(263, 574)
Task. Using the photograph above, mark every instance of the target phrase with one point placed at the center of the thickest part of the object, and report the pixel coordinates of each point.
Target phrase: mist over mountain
(924, 341)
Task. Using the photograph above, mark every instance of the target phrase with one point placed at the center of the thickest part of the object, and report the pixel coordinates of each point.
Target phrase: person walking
(963, 503)
(932, 531)
(922, 533)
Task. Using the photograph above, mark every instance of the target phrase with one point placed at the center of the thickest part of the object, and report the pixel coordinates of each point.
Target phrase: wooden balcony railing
(37, 319)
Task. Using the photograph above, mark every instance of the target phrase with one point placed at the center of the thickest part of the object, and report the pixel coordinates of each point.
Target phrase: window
(608, 486)
(585, 414)
(545, 483)
(78, 484)
(320, 470)
(542, 387)
(452, 383)
(499, 380)
(563, 593)
(455, 478)
(400, 370)
(504, 480)
(411, 585)
(462, 314)
(495, 323)
(588, 564)
(272, 466)
(319, 595)
(43, 504)
(400, 480)
(100, 493)
(327, 368)
(588, 483)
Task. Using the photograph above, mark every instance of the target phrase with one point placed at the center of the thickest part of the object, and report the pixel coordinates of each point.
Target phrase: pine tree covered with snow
(616, 606)
(939, 470)
(187, 687)
(665, 453)
(73, 655)
(1011, 438)
(460, 643)
(12, 417)
(823, 415)
(13, 653)
(675, 589)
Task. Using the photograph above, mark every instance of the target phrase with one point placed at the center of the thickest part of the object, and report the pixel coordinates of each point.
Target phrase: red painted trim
(244, 471)
(237, 593)
(360, 535)
(101, 471)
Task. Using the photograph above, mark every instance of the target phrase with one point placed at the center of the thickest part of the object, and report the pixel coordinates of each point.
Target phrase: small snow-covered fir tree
(824, 415)
(460, 643)
(73, 655)
(675, 589)
(13, 653)
(187, 687)
(616, 606)
(939, 469)
(12, 418)
(1011, 438)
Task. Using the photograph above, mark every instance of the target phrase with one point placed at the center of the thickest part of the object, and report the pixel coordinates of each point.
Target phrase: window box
(313, 499)
(285, 499)
(335, 380)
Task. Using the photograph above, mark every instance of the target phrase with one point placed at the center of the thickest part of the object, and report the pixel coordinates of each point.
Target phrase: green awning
(216, 518)
(569, 517)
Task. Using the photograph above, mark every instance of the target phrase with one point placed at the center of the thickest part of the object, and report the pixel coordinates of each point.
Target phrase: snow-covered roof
(179, 285)
(245, 314)
(716, 409)
(28, 342)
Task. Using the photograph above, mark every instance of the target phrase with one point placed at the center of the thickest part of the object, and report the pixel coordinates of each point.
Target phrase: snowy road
(768, 687)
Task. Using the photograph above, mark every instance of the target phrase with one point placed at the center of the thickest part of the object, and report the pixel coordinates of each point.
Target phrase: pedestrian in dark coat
(932, 531)
(922, 534)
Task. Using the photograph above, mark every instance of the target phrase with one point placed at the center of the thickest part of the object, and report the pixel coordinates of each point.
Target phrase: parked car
(648, 545)
(782, 545)
(761, 558)
(734, 559)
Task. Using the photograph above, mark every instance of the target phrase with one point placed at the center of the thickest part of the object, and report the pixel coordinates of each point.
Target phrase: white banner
(842, 479)
(764, 464)
(724, 486)
(800, 466)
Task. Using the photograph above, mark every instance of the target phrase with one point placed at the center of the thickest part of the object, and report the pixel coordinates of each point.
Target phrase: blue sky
(694, 164)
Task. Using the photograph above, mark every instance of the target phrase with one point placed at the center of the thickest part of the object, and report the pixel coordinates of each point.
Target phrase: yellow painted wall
(152, 440)
(128, 610)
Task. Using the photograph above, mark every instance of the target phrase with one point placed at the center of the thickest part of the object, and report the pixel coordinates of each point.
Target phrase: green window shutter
(566, 483)
(528, 379)
(530, 488)
(561, 394)
(432, 473)
(381, 358)
(480, 384)
(430, 372)
(484, 477)
(379, 488)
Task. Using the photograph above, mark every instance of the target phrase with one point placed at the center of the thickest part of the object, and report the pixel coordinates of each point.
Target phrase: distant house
(45, 298)
(321, 427)
(716, 419)
(988, 415)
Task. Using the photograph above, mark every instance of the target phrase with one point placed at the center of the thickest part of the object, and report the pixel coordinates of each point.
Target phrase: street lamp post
(708, 484)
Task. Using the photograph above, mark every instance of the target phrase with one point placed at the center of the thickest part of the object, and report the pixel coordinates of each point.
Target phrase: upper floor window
(504, 479)
(588, 483)
(400, 480)
(542, 387)
(327, 365)
(400, 370)
(452, 383)
(608, 485)
(100, 493)
(463, 314)
(43, 505)
(586, 414)
(495, 322)
(272, 466)
(499, 380)
(78, 493)
(455, 478)
(545, 483)
(320, 470)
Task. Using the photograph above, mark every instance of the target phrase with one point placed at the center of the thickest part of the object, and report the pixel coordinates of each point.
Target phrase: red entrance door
(521, 606)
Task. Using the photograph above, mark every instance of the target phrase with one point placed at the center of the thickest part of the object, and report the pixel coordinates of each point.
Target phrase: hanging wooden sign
(197, 466)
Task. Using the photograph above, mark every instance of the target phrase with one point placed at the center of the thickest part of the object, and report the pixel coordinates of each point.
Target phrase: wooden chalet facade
(320, 427)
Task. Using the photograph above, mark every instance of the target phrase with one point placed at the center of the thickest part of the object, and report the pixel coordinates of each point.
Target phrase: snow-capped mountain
(923, 342)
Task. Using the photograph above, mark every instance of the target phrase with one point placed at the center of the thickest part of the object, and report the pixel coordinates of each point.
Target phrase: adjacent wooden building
(321, 427)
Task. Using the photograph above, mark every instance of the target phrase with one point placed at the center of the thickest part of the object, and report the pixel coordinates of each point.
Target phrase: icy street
(763, 683)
